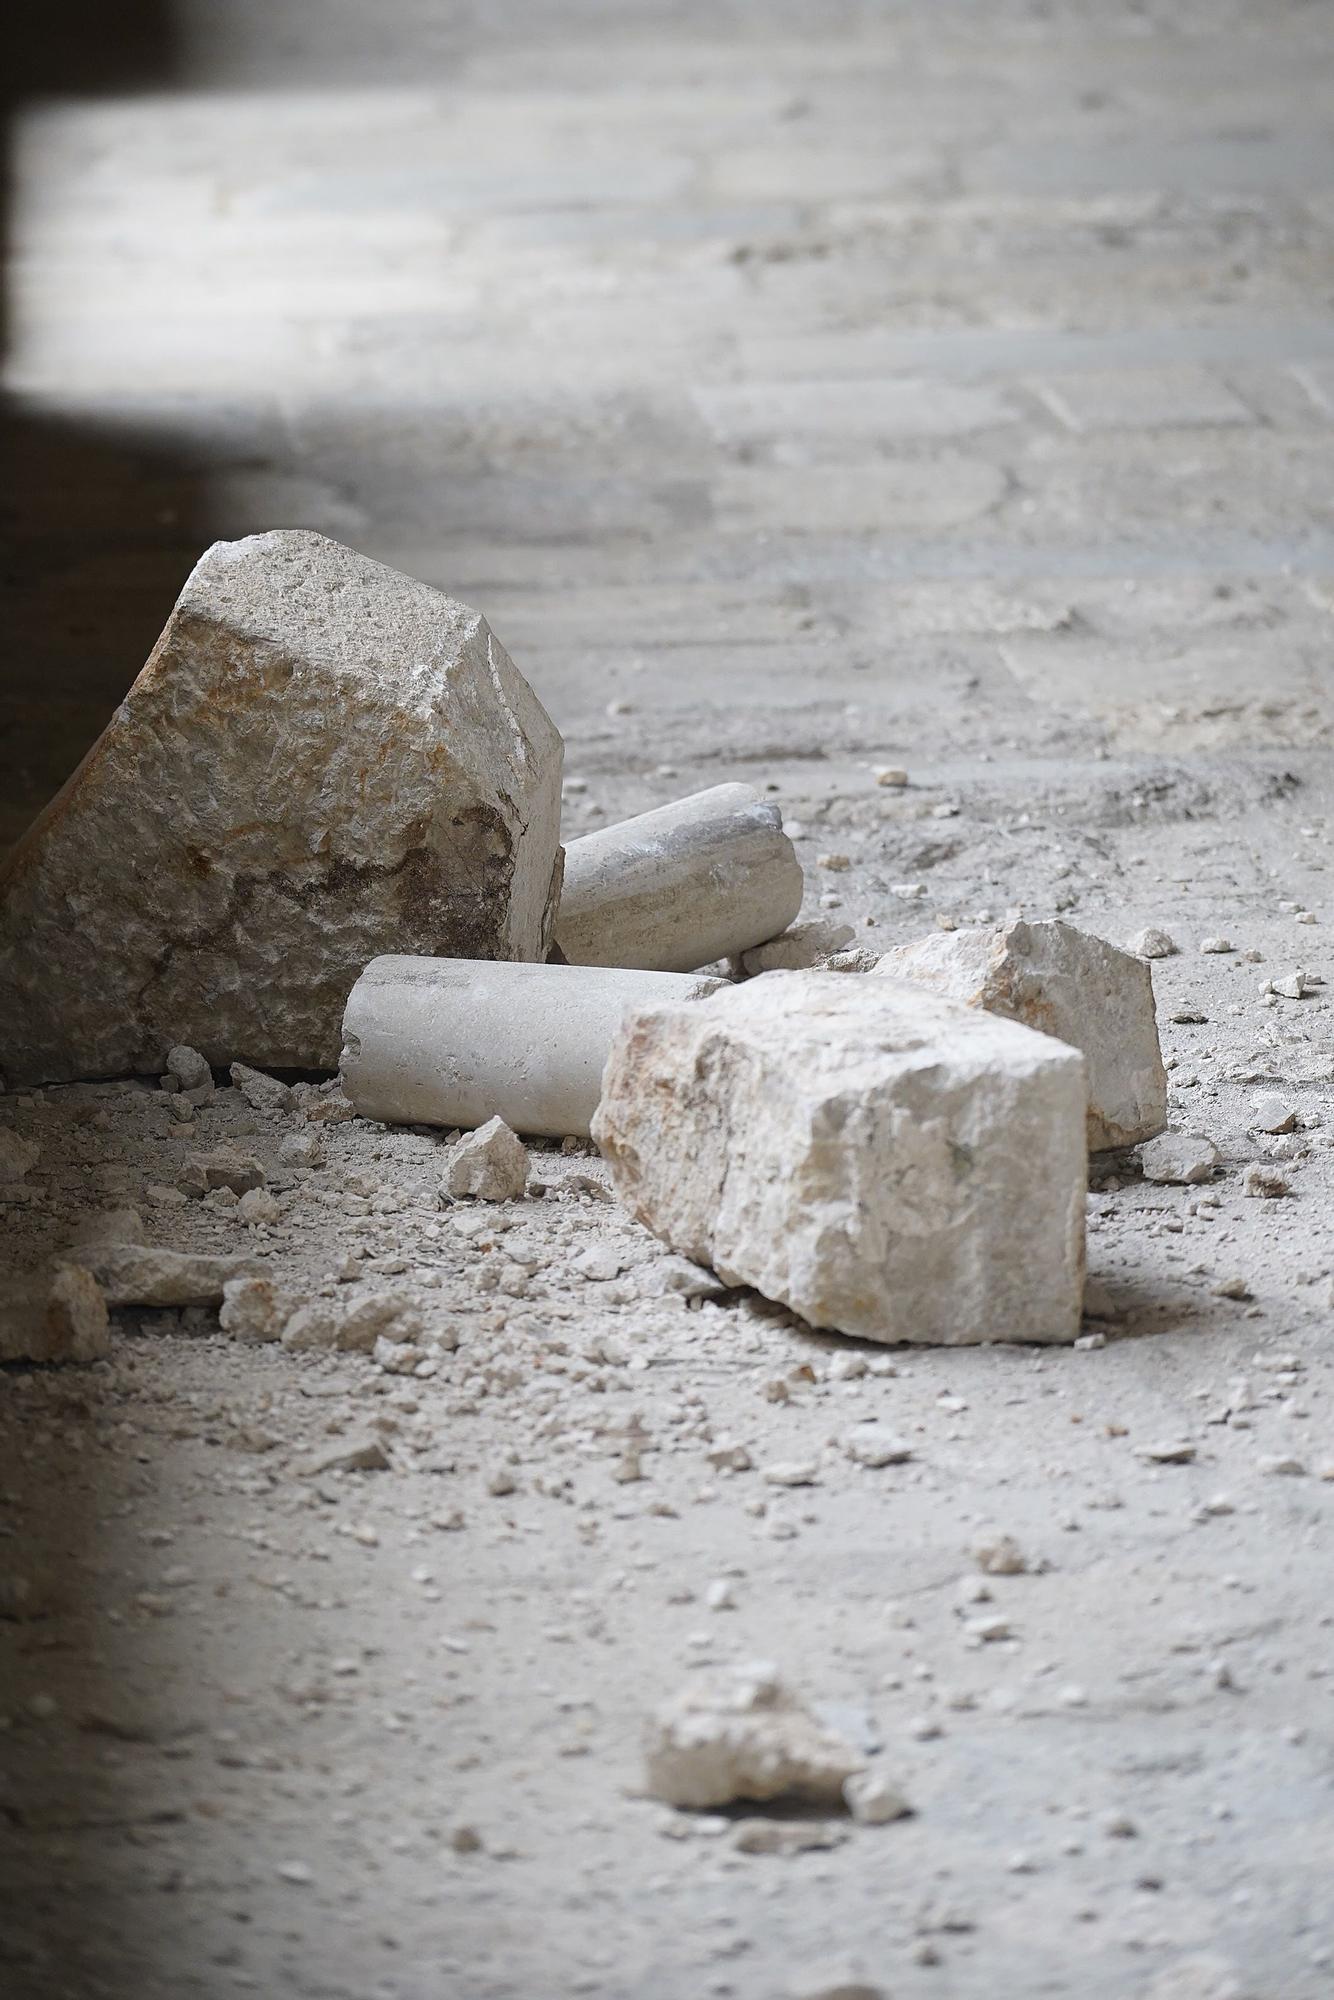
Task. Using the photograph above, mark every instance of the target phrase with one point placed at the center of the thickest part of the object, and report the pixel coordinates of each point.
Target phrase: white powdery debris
(743, 1735)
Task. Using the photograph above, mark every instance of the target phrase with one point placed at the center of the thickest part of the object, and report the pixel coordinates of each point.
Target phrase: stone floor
(797, 390)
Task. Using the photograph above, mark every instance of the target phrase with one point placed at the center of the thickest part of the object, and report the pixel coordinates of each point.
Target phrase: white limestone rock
(490, 1164)
(889, 1164)
(254, 1310)
(138, 1274)
(799, 949)
(262, 1092)
(743, 1734)
(1061, 981)
(321, 761)
(58, 1315)
(1180, 1159)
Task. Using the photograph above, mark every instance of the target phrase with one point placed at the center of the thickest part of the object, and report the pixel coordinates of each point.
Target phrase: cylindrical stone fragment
(443, 1041)
(701, 879)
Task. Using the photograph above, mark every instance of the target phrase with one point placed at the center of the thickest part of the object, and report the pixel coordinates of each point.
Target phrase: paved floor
(797, 390)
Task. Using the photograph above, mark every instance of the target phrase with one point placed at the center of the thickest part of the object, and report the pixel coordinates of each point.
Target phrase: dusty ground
(938, 387)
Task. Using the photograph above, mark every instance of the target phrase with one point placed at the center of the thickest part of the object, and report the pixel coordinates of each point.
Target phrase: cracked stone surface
(322, 760)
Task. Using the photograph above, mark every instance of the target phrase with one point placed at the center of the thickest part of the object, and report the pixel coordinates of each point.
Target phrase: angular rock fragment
(17, 1156)
(261, 1092)
(743, 1735)
(1061, 981)
(224, 1167)
(254, 1309)
(490, 1164)
(59, 1315)
(888, 1164)
(321, 760)
(1180, 1158)
(137, 1274)
(798, 949)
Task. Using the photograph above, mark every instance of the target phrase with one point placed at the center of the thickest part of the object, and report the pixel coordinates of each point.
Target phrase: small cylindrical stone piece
(445, 1041)
(689, 883)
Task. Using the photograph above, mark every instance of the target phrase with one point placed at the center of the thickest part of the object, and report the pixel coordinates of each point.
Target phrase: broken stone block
(111, 1225)
(254, 1309)
(261, 1092)
(17, 1156)
(188, 1073)
(322, 760)
(681, 886)
(798, 949)
(490, 1164)
(54, 1316)
(886, 1163)
(743, 1734)
(224, 1167)
(137, 1274)
(1065, 983)
(1180, 1158)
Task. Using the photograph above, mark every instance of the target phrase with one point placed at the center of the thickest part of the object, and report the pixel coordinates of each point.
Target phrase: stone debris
(254, 1309)
(189, 1073)
(1272, 1113)
(1180, 1159)
(873, 1800)
(705, 878)
(110, 1225)
(354, 1327)
(262, 1092)
(18, 1156)
(739, 1735)
(797, 950)
(57, 1316)
(842, 1979)
(888, 1164)
(139, 1274)
(224, 1167)
(874, 1445)
(301, 1149)
(491, 1164)
(379, 778)
(1265, 1183)
(1062, 982)
(786, 1837)
(1152, 943)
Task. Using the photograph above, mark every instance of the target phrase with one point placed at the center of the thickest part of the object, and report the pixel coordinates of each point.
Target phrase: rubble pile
(326, 816)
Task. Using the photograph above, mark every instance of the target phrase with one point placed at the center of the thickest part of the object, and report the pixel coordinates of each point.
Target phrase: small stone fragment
(54, 1317)
(190, 1072)
(490, 1164)
(873, 1800)
(888, 1164)
(260, 1091)
(874, 1445)
(792, 1472)
(1168, 1451)
(743, 1735)
(786, 1836)
(349, 1455)
(1272, 1113)
(1179, 1159)
(258, 1207)
(1216, 946)
(224, 1167)
(17, 1156)
(111, 1225)
(253, 1309)
(1062, 982)
(799, 948)
(138, 1274)
(678, 1277)
(1152, 943)
(1265, 1183)
(1293, 986)
(301, 1149)
(1000, 1555)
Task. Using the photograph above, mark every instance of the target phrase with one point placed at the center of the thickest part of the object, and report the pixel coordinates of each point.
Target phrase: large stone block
(889, 1164)
(1061, 981)
(322, 760)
